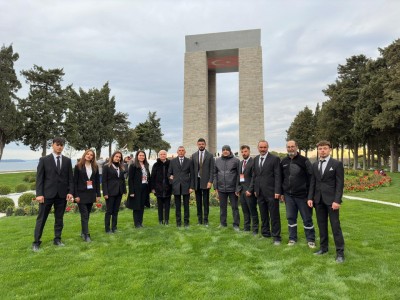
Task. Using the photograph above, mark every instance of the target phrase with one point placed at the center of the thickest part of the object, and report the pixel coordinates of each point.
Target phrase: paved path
(371, 200)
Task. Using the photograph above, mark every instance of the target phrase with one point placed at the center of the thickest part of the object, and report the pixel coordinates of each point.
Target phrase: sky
(138, 46)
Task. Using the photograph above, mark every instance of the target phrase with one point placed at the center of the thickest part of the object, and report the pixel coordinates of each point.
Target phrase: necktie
(181, 159)
(320, 167)
(200, 163)
(244, 165)
(58, 164)
(261, 161)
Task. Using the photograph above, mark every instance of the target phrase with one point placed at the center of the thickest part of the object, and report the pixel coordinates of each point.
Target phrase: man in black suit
(247, 199)
(180, 173)
(203, 168)
(326, 191)
(267, 189)
(54, 185)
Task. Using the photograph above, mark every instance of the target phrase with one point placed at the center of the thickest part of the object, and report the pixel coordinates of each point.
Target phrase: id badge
(242, 177)
(89, 185)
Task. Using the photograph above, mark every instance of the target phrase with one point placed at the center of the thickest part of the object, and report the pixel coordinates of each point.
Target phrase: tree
(121, 126)
(90, 119)
(302, 130)
(44, 109)
(388, 120)
(148, 135)
(9, 86)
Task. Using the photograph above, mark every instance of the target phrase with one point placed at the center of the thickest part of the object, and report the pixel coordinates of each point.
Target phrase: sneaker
(291, 243)
(236, 228)
(277, 243)
(311, 245)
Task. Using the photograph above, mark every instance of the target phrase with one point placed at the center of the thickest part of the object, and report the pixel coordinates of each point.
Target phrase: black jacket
(80, 184)
(226, 171)
(296, 176)
(159, 179)
(113, 185)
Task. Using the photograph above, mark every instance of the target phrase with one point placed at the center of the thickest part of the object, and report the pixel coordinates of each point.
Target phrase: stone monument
(209, 54)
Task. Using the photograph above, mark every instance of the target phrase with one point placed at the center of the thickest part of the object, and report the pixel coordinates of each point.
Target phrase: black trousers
(323, 212)
(138, 217)
(185, 209)
(112, 203)
(270, 217)
(223, 208)
(250, 213)
(202, 200)
(44, 210)
(85, 209)
(164, 204)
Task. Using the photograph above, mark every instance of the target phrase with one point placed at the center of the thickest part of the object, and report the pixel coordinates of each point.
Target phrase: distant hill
(12, 160)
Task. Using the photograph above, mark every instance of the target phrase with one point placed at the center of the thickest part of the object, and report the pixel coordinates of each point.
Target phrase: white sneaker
(311, 245)
(291, 243)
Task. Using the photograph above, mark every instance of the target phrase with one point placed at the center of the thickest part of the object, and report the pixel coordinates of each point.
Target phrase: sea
(18, 165)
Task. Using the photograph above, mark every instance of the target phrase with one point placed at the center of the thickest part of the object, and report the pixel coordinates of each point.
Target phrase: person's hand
(153, 191)
(132, 195)
(310, 203)
(97, 199)
(171, 177)
(248, 194)
(335, 206)
(277, 196)
(209, 184)
(237, 194)
(77, 199)
(255, 194)
(282, 198)
(70, 198)
(105, 197)
(190, 191)
(40, 199)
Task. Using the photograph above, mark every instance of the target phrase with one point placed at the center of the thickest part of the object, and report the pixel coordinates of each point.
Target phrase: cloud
(138, 46)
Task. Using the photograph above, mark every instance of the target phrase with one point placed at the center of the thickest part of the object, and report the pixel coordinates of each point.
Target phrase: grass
(13, 179)
(389, 194)
(159, 262)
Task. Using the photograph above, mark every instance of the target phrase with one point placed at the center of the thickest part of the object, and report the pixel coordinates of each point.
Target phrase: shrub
(19, 211)
(6, 202)
(29, 178)
(9, 211)
(33, 186)
(31, 210)
(5, 190)
(20, 188)
(25, 199)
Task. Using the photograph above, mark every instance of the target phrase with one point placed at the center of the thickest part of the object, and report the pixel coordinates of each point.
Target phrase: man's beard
(291, 154)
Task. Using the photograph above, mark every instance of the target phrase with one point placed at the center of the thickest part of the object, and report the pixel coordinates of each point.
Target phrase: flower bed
(360, 181)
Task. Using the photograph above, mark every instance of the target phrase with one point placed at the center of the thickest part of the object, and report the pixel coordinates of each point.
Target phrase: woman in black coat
(161, 186)
(113, 188)
(87, 189)
(139, 190)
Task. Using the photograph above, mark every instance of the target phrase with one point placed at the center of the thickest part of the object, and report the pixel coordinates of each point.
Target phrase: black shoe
(35, 248)
(339, 259)
(87, 239)
(320, 252)
(161, 223)
(255, 233)
(59, 243)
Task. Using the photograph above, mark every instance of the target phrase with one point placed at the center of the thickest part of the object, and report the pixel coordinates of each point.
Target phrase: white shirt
(89, 170)
(55, 158)
(324, 164)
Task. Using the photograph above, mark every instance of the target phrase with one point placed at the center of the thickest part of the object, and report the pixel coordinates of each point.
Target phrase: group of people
(259, 183)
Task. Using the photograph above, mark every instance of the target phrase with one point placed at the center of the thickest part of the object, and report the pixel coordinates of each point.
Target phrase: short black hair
(59, 140)
(201, 140)
(244, 147)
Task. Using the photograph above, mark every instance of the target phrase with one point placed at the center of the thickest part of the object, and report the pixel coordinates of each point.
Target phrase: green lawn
(13, 179)
(159, 262)
(389, 194)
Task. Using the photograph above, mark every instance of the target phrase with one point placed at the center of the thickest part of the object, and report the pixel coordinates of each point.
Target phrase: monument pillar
(209, 54)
